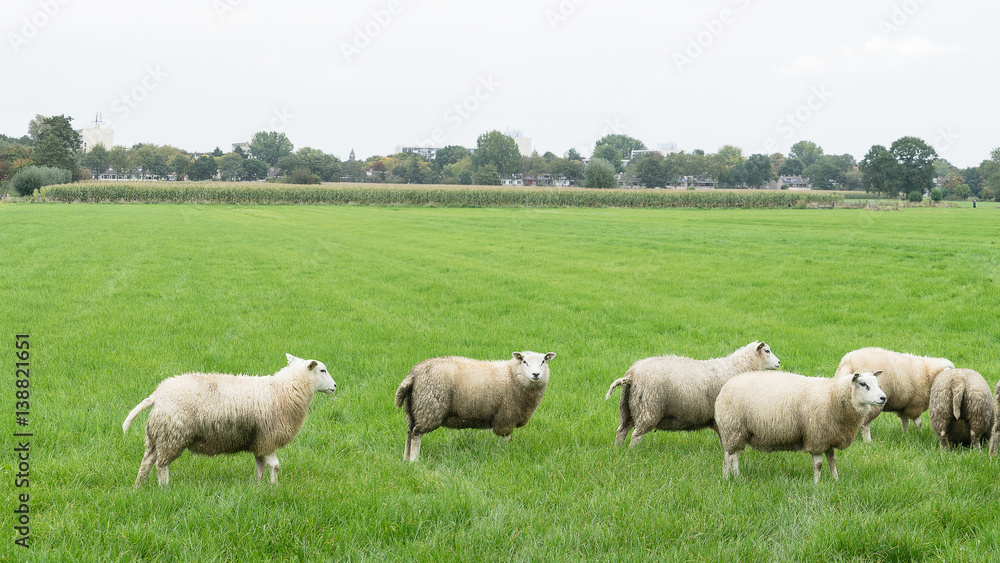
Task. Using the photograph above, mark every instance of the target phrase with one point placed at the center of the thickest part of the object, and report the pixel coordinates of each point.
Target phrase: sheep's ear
(312, 365)
(290, 357)
(761, 346)
(518, 356)
(855, 378)
(549, 356)
(877, 373)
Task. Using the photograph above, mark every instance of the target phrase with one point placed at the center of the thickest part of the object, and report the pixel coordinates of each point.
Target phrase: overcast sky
(371, 75)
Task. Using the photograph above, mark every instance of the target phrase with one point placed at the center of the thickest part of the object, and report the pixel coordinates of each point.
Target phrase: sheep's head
(324, 381)
(866, 389)
(767, 358)
(533, 370)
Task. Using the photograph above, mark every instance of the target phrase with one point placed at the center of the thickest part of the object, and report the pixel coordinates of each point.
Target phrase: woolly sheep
(215, 413)
(781, 411)
(961, 408)
(457, 392)
(995, 439)
(906, 380)
(678, 393)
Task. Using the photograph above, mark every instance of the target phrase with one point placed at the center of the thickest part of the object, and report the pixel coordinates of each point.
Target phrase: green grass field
(117, 297)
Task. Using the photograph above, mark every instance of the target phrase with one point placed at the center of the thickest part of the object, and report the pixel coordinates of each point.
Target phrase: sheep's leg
(831, 460)
(975, 439)
(148, 459)
(640, 430)
(622, 434)
(406, 447)
(917, 422)
(163, 473)
(272, 463)
(261, 466)
(904, 421)
(817, 466)
(730, 464)
(943, 439)
(413, 446)
(866, 432)
(995, 441)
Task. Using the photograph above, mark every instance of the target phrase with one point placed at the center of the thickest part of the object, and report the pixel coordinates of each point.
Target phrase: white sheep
(961, 408)
(780, 411)
(457, 392)
(215, 413)
(678, 393)
(906, 380)
(995, 439)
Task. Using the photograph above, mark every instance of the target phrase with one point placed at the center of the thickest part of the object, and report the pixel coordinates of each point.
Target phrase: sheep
(678, 393)
(906, 380)
(457, 392)
(781, 411)
(215, 413)
(995, 439)
(961, 408)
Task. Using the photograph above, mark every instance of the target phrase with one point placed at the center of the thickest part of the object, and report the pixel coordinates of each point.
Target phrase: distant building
(245, 147)
(662, 148)
(523, 143)
(350, 158)
(96, 134)
(427, 152)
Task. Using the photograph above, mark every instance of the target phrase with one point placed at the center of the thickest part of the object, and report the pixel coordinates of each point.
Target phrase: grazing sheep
(961, 408)
(906, 380)
(216, 413)
(678, 393)
(457, 392)
(780, 411)
(995, 439)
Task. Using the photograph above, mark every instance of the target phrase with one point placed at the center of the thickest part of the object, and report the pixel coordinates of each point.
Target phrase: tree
(915, 196)
(179, 166)
(256, 169)
(878, 171)
(723, 161)
(806, 151)
(791, 167)
(648, 170)
(122, 160)
(96, 159)
(757, 170)
(302, 176)
(499, 150)
(914, 164)
(610, 155)
(354, 171)
(324, 165)
(217, 152)
(571, 169)
(622, 144)
(450, 155)
(599, 174)
(203, 168)
(823, 175)
(231, 167)
(270, 146)
(58, 143)
(572, 154)
(487, 175)
(937, 194)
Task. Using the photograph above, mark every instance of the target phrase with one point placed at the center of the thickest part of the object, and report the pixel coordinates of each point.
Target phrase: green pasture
(117, 297)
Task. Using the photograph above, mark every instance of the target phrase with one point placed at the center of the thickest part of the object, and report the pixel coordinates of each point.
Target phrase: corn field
(244, 194)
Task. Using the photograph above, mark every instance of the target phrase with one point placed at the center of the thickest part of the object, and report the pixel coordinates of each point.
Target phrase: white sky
(373, 74)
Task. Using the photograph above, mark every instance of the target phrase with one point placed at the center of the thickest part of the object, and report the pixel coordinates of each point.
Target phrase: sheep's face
(767, 358)
(324, 381)
(533, 370)
(866, 389)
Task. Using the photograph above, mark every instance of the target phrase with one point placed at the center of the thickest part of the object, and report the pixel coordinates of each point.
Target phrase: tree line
(908, 166)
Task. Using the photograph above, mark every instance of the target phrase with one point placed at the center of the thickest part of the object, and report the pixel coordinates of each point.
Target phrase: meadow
(117, 297)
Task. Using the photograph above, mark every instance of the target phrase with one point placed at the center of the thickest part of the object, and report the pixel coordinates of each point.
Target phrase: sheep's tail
(627, 380)
(145, 404)
(957, 394)
(404, 391)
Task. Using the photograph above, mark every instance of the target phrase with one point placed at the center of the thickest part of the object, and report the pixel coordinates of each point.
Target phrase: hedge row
(388, 196)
